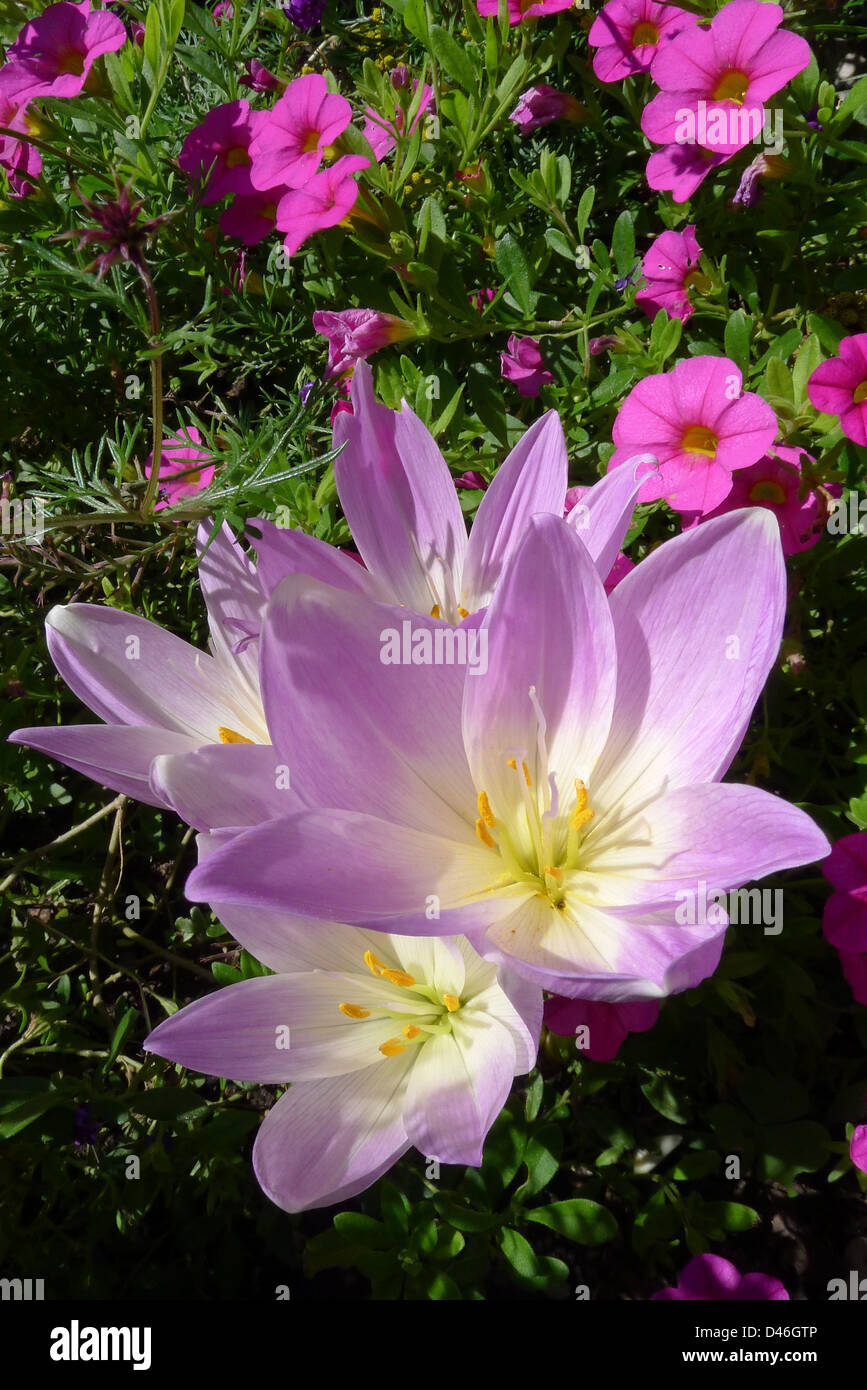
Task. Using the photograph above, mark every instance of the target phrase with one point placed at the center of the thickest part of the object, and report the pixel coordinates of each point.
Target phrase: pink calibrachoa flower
(185, 467)
(293, 140)
(252, 216)
(355, 334)
(669, 267)
(543, 104)
(775, 482)
(58, 48)
(21, 160)
(858, 1147)
(845, 919)
(524, 9)
(577, 507)
(325, 200)
(680, 169)
(216, 153)
(555, 805)
(710, 1278)
(522, 364)
(392, 1042)
(700, 425)
(381, 132)
(714, 82)
(258, 78)
(608, 1025)
(839, 387)
(627, 35)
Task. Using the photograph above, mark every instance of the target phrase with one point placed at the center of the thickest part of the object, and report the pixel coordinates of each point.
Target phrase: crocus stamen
(435, 611)
(698, 439)
(485, 811)
(644, 33)
(485, 835)
(582, 813)
(374, 964)
(451, 1002)
(860, 393)
(230, 736)
(464, 612)
(398, 977)
(411, 1031)
(354, 1011)
(732, 86)
(392, 1047)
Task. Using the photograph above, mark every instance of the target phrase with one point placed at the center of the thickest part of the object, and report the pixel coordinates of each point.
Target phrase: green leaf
(512, 265)
(731, 1216)
(779, 380)
(808, 358)
(225, 974)
(658, 1091)
(362, 1230)
(623, 243)
(855, 98)
(511, 82)
(119, 1036)
(23, 1114)
(577, 1219)
(585, 207)
(539, 1272)
(167, 1102)
(542, 1158)
(453, 58)
(739, 327)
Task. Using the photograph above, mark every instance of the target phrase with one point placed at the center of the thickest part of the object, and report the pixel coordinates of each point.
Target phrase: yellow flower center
(694, 279)
(229, 736)
(644, 33)
(698, 439)
(768, 491)
(431, 1018)
(860, 393)
(237, 156)
(732, 86)
(71, 61)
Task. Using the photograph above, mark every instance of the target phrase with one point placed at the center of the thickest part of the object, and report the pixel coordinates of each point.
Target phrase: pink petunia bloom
(839, 387)
(714, 82)
(216, 153)
(59, 47)
(710, 1278)
(775, 483)
(669, 269)
(324, 201)
(382, 133)
(259, 79)
(472, 481)
(522, 364)
(295, 135)
(578, 509)
(543, 104)
(21, 160)
(607, 1025)
(858, 1147)
(619, 570)
(185, 467)
(524, 9)
(845, 919)
(680, 169)
(252, 216)
(627, 35)
(355, 334)
(701, 426)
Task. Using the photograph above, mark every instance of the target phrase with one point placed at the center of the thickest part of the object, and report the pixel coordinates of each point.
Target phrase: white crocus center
(427, 1013)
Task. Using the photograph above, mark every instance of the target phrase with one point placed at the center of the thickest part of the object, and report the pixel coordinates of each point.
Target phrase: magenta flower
(522, 364)
(185, 467)
(607, 1025)
(680, 169)
(294, 137)
(306, 14)
(524, 9)
(839, 387)
(714, 82)
(700, 425)
(558, 808)
(325, 200)
(216, 153)
(258, 78)
(775, 482)
(619, 570)
(21, 160)
(355, 334)
(710, 1278)
(845, 919)
(472, 481)
(543, 104)
(669, 267)
(578, 505)
(252, 216)
(627, 35)
(389, 1041)
(765, 166)
(858, 1147)
(381, 132)
(479, 299)
(59, 47)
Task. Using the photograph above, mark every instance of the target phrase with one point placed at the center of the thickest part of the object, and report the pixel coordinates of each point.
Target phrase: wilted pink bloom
(294, 137)
(381, 132)
(258, 78)
(479, 298)
(710, 1278)
(21, 160)
(185, 467)
(858, 1147)
(524, 9)
(252, 216)
(472, 481)
(355, 334)
(322, 202)
(596, 346)
(839, 387)
(137, 31)
(224, 9)
(399, 76)
(679, 169)
(543, 104)
(775, 483)
(845, 919)
(701, 426)
(627, 35)
(59, 47)
(766, 166)
(669, 269)
(522, 364)
(607, 1024)
(714, 82)
(216, 153)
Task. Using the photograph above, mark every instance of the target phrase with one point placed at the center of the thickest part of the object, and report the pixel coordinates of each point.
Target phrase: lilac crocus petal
(532, 479)
(698, 628)
(457, 1087)
(398, 497)
(603, 514)
(282, 551)
(234, 600)
(225, 786)
(329, 1140)
(116, 756)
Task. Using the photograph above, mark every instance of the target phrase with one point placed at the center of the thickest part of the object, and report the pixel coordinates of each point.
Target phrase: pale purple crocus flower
(710, 1278)
(389, 1041)
(156, 693)
(555, 806)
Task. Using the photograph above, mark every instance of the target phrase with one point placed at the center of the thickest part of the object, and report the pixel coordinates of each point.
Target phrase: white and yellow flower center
(427, 1015)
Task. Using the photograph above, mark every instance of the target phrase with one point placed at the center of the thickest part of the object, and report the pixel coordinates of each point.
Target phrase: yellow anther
(580, 795)
(526, 774)
(398, 977)
(485, 835)
(410, 1031)
(582, 813)
(229, 736)
(452, 1002)
(392, 1048)
(374, 964)
(435, 611)
(554, 872)
(485, 811)
(464, 612)
(513, 763)
(354, 1011)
